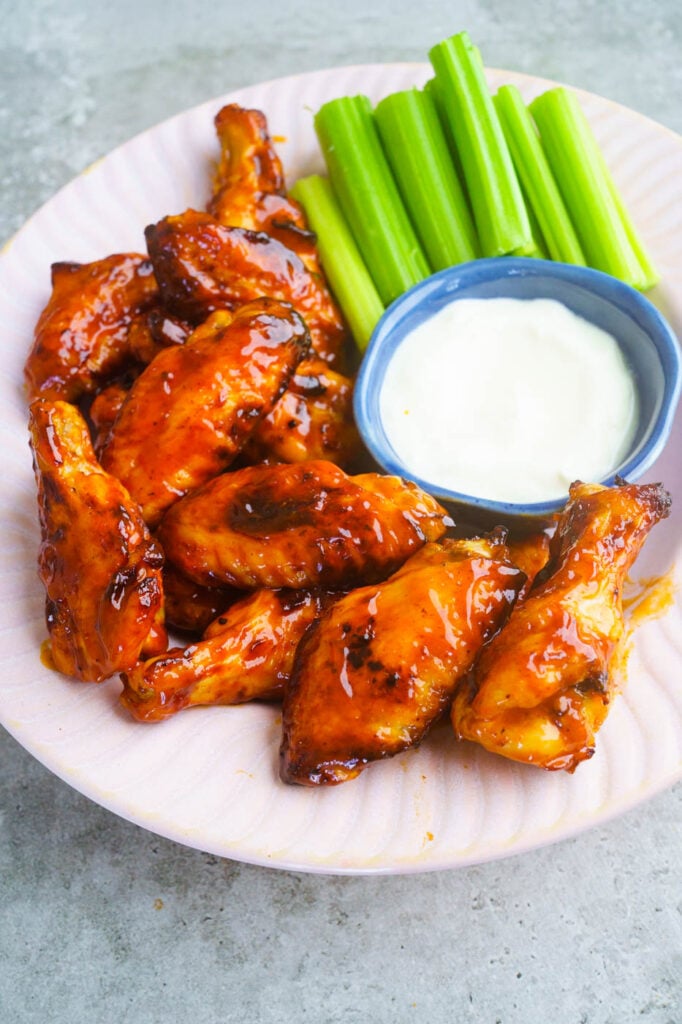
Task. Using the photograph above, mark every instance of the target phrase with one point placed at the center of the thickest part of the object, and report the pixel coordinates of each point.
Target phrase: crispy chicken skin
(248, 187)
(312, 420)
(381, 665)
(301, 526)
(541, 689)
(247, 654)
(202, 265)
(192, 409)
(100, 568)
(81, 338)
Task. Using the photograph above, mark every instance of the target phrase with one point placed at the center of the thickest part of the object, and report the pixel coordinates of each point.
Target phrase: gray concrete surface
(101, 921)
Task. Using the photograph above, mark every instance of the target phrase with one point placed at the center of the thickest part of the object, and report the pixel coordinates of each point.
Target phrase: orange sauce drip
(46, 655)
(648, 598)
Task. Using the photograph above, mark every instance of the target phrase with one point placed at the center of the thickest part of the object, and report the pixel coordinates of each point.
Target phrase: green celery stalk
(651, 275)
(537, 181)
(431, 87)
(343, 265)
(499, 211)
(608, 238)
(537, 247)
(368, 195)
(417, 152)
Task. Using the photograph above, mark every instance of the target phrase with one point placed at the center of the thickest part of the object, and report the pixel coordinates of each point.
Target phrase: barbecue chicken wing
(312, 420)
(192, 409)
(248, 189)
(81, 338)
(304, 525)
(383, 662)
(100, 568)
(202, 265)
(246, 654)
(542, 687)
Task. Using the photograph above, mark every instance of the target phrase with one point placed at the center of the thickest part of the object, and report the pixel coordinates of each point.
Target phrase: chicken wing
(304, 525)
(202, 265)
(383, 662)
(100, 568)
(246, 655)
(312, 420)
(248, 188)
(248, 157)
(542, 687)
(193, 408)
(81, 338)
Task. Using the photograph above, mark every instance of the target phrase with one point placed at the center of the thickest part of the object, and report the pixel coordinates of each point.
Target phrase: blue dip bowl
(648, 343)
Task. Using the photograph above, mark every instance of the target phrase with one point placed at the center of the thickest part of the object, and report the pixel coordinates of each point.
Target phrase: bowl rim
(452, 280)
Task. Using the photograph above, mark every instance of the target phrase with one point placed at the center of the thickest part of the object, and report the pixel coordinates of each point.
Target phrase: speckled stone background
(101, 921)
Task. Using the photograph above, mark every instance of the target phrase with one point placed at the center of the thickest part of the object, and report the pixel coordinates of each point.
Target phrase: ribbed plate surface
(208, 777)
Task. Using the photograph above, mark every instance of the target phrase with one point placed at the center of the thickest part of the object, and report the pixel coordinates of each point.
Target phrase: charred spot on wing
(596, 682)
(259, 510)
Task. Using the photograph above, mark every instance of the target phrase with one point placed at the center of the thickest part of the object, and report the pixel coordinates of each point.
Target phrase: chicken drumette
(382, 664)
(246, 654)
(542, 687)
(100, 568)
(248, 190)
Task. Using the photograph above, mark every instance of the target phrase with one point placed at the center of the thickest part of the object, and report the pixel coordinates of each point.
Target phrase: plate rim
(94, 793)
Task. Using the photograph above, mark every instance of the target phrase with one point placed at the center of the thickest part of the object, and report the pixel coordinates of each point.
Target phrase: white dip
(509, 399)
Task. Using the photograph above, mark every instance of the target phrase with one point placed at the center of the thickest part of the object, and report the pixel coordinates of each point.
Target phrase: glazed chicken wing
(300, 526)
(542, 687)
(312, 420)
(100, 568)
(81, 338)
(192, 409)
(248, 190)
(202, 265)
(382, 664)
(247, 155)
(246, 654)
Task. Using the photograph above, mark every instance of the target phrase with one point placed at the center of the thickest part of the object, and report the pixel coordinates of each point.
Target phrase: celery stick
(348, 276)
(436, 94)
(417, 152)
(537, 248)
(651, 275)
(536, 178)
(608, 241)
(369, 196)
(499, 211)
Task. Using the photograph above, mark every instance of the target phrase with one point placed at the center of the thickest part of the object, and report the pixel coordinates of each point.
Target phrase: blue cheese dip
(509, 400)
